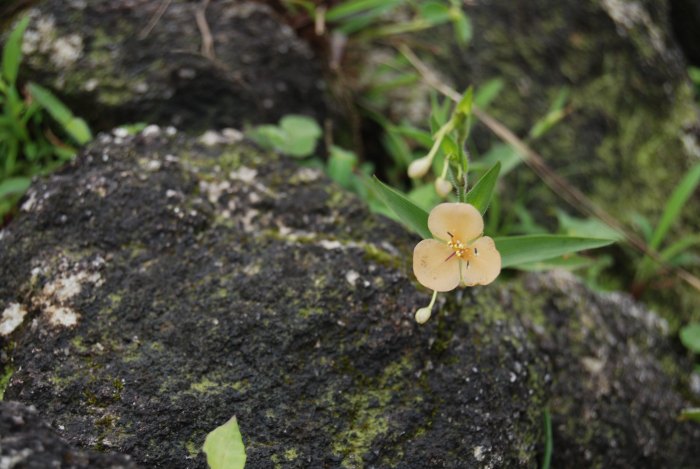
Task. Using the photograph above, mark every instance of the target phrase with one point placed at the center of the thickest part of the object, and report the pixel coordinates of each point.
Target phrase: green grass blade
(412, 216)
(516, 250)
(355, 6)
(224, 447)
(480, 195)
(12, 52)
(547, 459)
(675, 204)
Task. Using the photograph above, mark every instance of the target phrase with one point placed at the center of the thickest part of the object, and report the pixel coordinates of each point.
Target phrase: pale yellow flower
(459, 254)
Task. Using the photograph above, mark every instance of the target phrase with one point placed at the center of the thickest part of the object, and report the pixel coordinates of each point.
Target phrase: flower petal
(435, 265)
(462, 220)
(483, 268)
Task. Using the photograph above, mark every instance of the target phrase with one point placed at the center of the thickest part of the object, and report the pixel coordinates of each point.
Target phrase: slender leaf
(568, 262)
(17, 185)
(463, 29)
(480, 195)
(679, 246)
(516, 250)
(487, 92)
(51, 103)
(224, 447)
(355, 6)
(675, 204)
(412, 216)
(12, 52)
(547, 459)
(78, 130)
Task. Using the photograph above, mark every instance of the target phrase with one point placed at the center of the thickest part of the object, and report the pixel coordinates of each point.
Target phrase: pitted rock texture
(211, 281)
(28, 442)
(125, 61)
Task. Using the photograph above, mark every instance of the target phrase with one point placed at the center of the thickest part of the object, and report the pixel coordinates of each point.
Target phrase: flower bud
(420, 167)
(443, 187)
(423, 314)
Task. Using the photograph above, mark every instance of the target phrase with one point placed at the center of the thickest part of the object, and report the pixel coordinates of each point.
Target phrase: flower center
(461, 250)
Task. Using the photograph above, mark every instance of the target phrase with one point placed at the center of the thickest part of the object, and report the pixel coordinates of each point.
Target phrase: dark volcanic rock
(28, 442)
(118, 61)
(162, 286)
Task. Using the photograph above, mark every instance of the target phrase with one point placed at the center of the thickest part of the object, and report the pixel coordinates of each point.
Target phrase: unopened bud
(423, 314)
(443, 187)
(420, 167)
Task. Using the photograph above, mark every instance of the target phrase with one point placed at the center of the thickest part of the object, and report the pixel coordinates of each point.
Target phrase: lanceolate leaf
(414, 217)
(480, 195)
(12, 52)
(16, 185)
(224, 447)
(673, 208)
(516, 250)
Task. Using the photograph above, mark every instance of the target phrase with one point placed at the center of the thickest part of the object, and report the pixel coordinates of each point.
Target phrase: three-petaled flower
(459, 254)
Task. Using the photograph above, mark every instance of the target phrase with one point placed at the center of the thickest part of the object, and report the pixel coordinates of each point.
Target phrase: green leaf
(679, 246)
(690, 337)
(412, 216)
(465, 104)
(547, 459)
(691, 413)
(463, 29)
(435, 12)
(506, 154)
(487, 92)
(269, 136)
(568, 262)
(224, 447)
(425, 196)
(78, 130)
(51, 103)
(340, 166)
(480, 195)
(587, 227)
(12, 186)
(352, 7)
(675, 204)
(302, 135)
(516, 250)
(12, 52)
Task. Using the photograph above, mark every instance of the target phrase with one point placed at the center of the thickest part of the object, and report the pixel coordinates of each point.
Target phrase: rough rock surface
(629, 136)
(158, 286)
(27, 441)
(120, 61)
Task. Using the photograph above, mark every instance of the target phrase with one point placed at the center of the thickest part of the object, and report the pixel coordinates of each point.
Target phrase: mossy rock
(117, 62)
(158, 286)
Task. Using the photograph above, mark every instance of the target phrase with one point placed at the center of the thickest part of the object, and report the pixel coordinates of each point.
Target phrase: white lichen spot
(478, 453)
(214, 190)
(61, 316)
(351, 276)
(327, 244)
(11, 318)
(67, 50)
(151, 131)
(307, 175)
(243, 174)
(29, 204)
(65, 288)
(91, 84)
(593, 365)
(225, 137)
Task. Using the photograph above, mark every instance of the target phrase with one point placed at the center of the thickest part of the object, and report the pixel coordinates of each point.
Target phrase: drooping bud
(420, 167)
(443, 187)
(423, 314)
